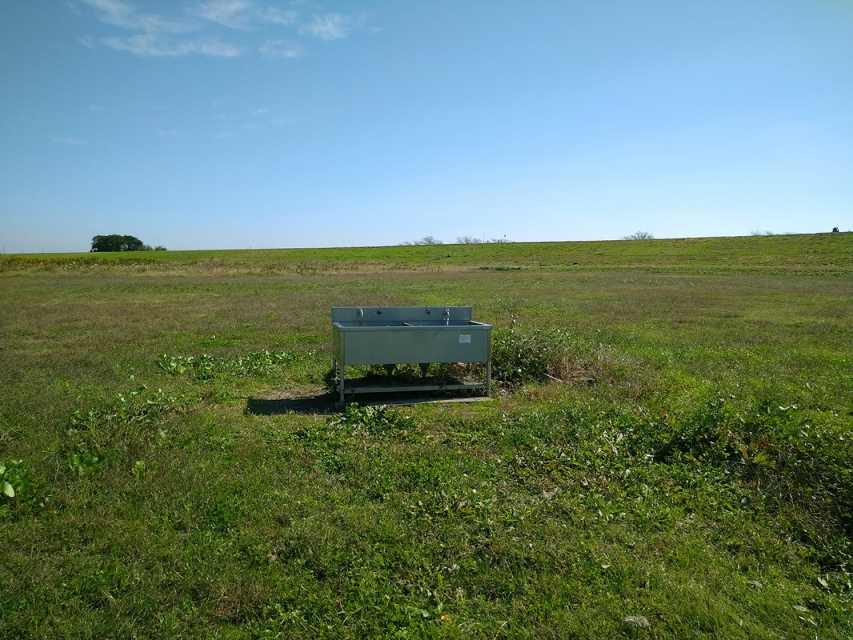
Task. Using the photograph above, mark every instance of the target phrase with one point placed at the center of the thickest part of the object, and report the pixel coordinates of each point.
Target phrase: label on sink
(464, 338)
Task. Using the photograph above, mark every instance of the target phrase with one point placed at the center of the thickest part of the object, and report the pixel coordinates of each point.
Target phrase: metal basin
(403, 335)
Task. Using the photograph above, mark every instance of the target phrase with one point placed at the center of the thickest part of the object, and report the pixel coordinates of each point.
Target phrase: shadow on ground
(315, 400)
(322, 403)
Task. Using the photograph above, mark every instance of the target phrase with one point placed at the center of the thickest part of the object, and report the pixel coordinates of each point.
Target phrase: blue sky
(247, 123)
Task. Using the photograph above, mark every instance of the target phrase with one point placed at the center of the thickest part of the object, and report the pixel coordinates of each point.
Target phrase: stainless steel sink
(403, 335)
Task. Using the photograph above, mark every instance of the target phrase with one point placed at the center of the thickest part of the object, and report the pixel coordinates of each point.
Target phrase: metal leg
(342, 383)
(489, 378)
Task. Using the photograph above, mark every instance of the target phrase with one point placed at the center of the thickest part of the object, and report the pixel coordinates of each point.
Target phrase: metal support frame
(340, 367)
(342, 380)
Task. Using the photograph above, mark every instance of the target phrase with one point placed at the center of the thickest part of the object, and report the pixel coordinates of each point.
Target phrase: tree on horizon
(116, 242)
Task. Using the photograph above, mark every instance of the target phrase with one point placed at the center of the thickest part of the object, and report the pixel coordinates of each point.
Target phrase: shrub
(639, 235)
(521, 354)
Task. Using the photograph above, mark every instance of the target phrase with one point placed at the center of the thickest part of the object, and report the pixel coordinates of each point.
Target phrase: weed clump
(18, 486)
(362, 420)
(521, 355)
(207, 367)
(796, 462)
(127, 422)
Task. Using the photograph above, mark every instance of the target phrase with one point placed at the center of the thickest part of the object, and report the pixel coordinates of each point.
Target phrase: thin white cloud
(277, 49)
(158, 33)
(122, 14)
(259, 112)
(152, 45)
(213, 47)
(235, 14)
(73, 141)
(332, 26)
(242, 14)
(148, 45)
(278, 16)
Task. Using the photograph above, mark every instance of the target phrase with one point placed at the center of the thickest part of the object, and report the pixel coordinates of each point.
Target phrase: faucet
(446, 315)
(361, 313)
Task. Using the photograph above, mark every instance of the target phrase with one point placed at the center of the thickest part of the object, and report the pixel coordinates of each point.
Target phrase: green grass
(170, 486)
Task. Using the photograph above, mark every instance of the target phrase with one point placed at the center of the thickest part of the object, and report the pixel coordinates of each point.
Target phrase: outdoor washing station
(408, 335)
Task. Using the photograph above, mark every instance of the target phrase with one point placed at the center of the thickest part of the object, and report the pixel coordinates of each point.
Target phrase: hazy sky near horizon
(250, 123)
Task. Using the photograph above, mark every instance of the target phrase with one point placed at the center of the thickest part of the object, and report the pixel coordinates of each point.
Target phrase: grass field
(819, 254)
(704, 482)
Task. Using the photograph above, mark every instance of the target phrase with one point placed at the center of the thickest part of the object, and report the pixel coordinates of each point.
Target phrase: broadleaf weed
(18, 486)
(207, 367)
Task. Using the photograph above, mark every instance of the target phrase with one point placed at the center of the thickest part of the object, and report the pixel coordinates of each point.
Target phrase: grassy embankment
(703, 482)
(819, 254)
